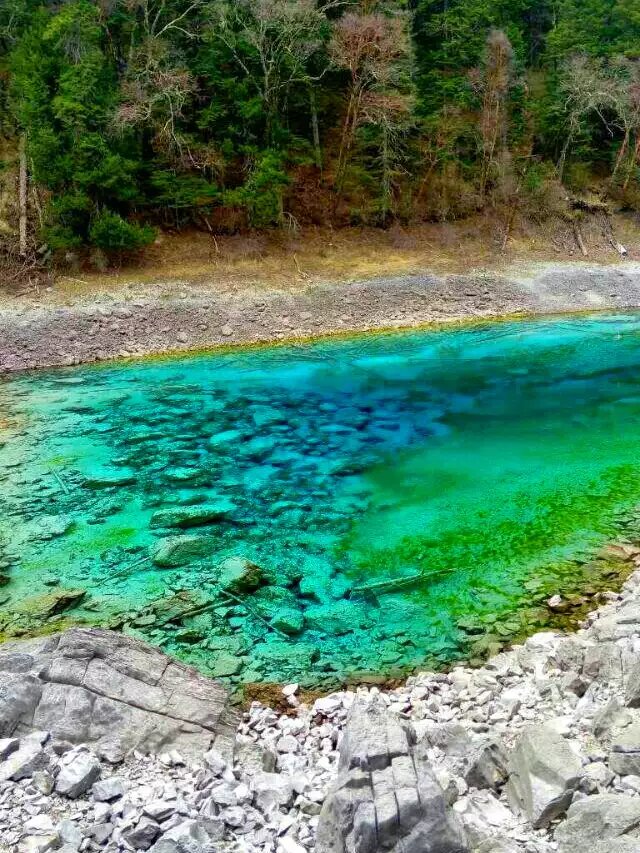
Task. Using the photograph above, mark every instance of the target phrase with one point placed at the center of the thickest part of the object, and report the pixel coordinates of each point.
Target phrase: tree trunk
(386, 173)
(634, 161)
(315, 129)
(22, 196)
(621, 155)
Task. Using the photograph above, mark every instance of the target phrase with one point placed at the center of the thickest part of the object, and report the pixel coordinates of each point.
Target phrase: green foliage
(262, 193)
(164, 110)
(110, 232)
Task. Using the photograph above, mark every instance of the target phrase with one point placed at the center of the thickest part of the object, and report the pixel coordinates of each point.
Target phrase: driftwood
(250, 610)
(59, 481)
(398, 583)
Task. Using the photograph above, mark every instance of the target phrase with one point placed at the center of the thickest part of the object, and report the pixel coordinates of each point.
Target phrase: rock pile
(536, 752)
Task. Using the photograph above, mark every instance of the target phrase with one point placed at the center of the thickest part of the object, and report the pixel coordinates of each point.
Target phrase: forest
(128, 116)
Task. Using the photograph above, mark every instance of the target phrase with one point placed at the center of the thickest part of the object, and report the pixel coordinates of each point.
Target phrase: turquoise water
(408, 499)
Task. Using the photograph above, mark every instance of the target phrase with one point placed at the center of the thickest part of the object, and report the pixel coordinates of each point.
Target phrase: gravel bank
(139, 323)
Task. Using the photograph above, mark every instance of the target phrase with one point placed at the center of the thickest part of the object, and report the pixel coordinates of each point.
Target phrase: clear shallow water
(410, 498)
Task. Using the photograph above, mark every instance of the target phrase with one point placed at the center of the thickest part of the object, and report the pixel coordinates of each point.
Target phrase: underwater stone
(225, 437)
(53, 526)
(51, 603)
(110, 479)
(224, 664)
(175, 551)
(194, 516)
(289, 620)
(238, 574)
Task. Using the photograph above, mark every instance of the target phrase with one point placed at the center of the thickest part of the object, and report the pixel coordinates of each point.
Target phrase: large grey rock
(499, 845)
(482, 815)
(624, 758)
(386, 797)
(143, 834)
(79, 769)
(603, 662)
(271, 791)
(618, 624)
(89, 686)
(602, 817)
(544, 772)
(190, 836)
(614, 845)
(609, 718)
(108, 789)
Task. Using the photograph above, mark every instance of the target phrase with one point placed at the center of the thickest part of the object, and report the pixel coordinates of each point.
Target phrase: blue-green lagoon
(324, 511)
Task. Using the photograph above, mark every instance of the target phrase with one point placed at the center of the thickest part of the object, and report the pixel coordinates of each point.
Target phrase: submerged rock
(288, 620)
(194, 516)
(238, 574)
(224, 664)
(54, 526)
(109, 479)
(51, 603)
(225, 437)
(176, 551)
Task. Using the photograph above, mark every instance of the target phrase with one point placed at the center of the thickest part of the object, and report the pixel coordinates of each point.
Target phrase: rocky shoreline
(146, 320)
(537, 751)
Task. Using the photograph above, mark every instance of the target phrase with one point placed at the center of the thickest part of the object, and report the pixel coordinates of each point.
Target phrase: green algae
(409, 498)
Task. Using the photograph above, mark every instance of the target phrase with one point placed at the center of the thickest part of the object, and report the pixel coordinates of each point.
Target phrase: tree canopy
(232, 114)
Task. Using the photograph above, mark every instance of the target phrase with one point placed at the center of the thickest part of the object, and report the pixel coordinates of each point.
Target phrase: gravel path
(138, 321)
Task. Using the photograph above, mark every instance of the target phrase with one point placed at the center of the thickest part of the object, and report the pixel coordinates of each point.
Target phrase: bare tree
(157, 86)
(585, 90)
(612, 92)
(494, 81)
(624, 100)
(273, 42)
(373, 48)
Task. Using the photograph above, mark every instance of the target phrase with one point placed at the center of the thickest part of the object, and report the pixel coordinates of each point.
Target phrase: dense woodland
(129, 115)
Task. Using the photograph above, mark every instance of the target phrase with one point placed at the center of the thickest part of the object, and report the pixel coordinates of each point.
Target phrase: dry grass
(290, 261)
